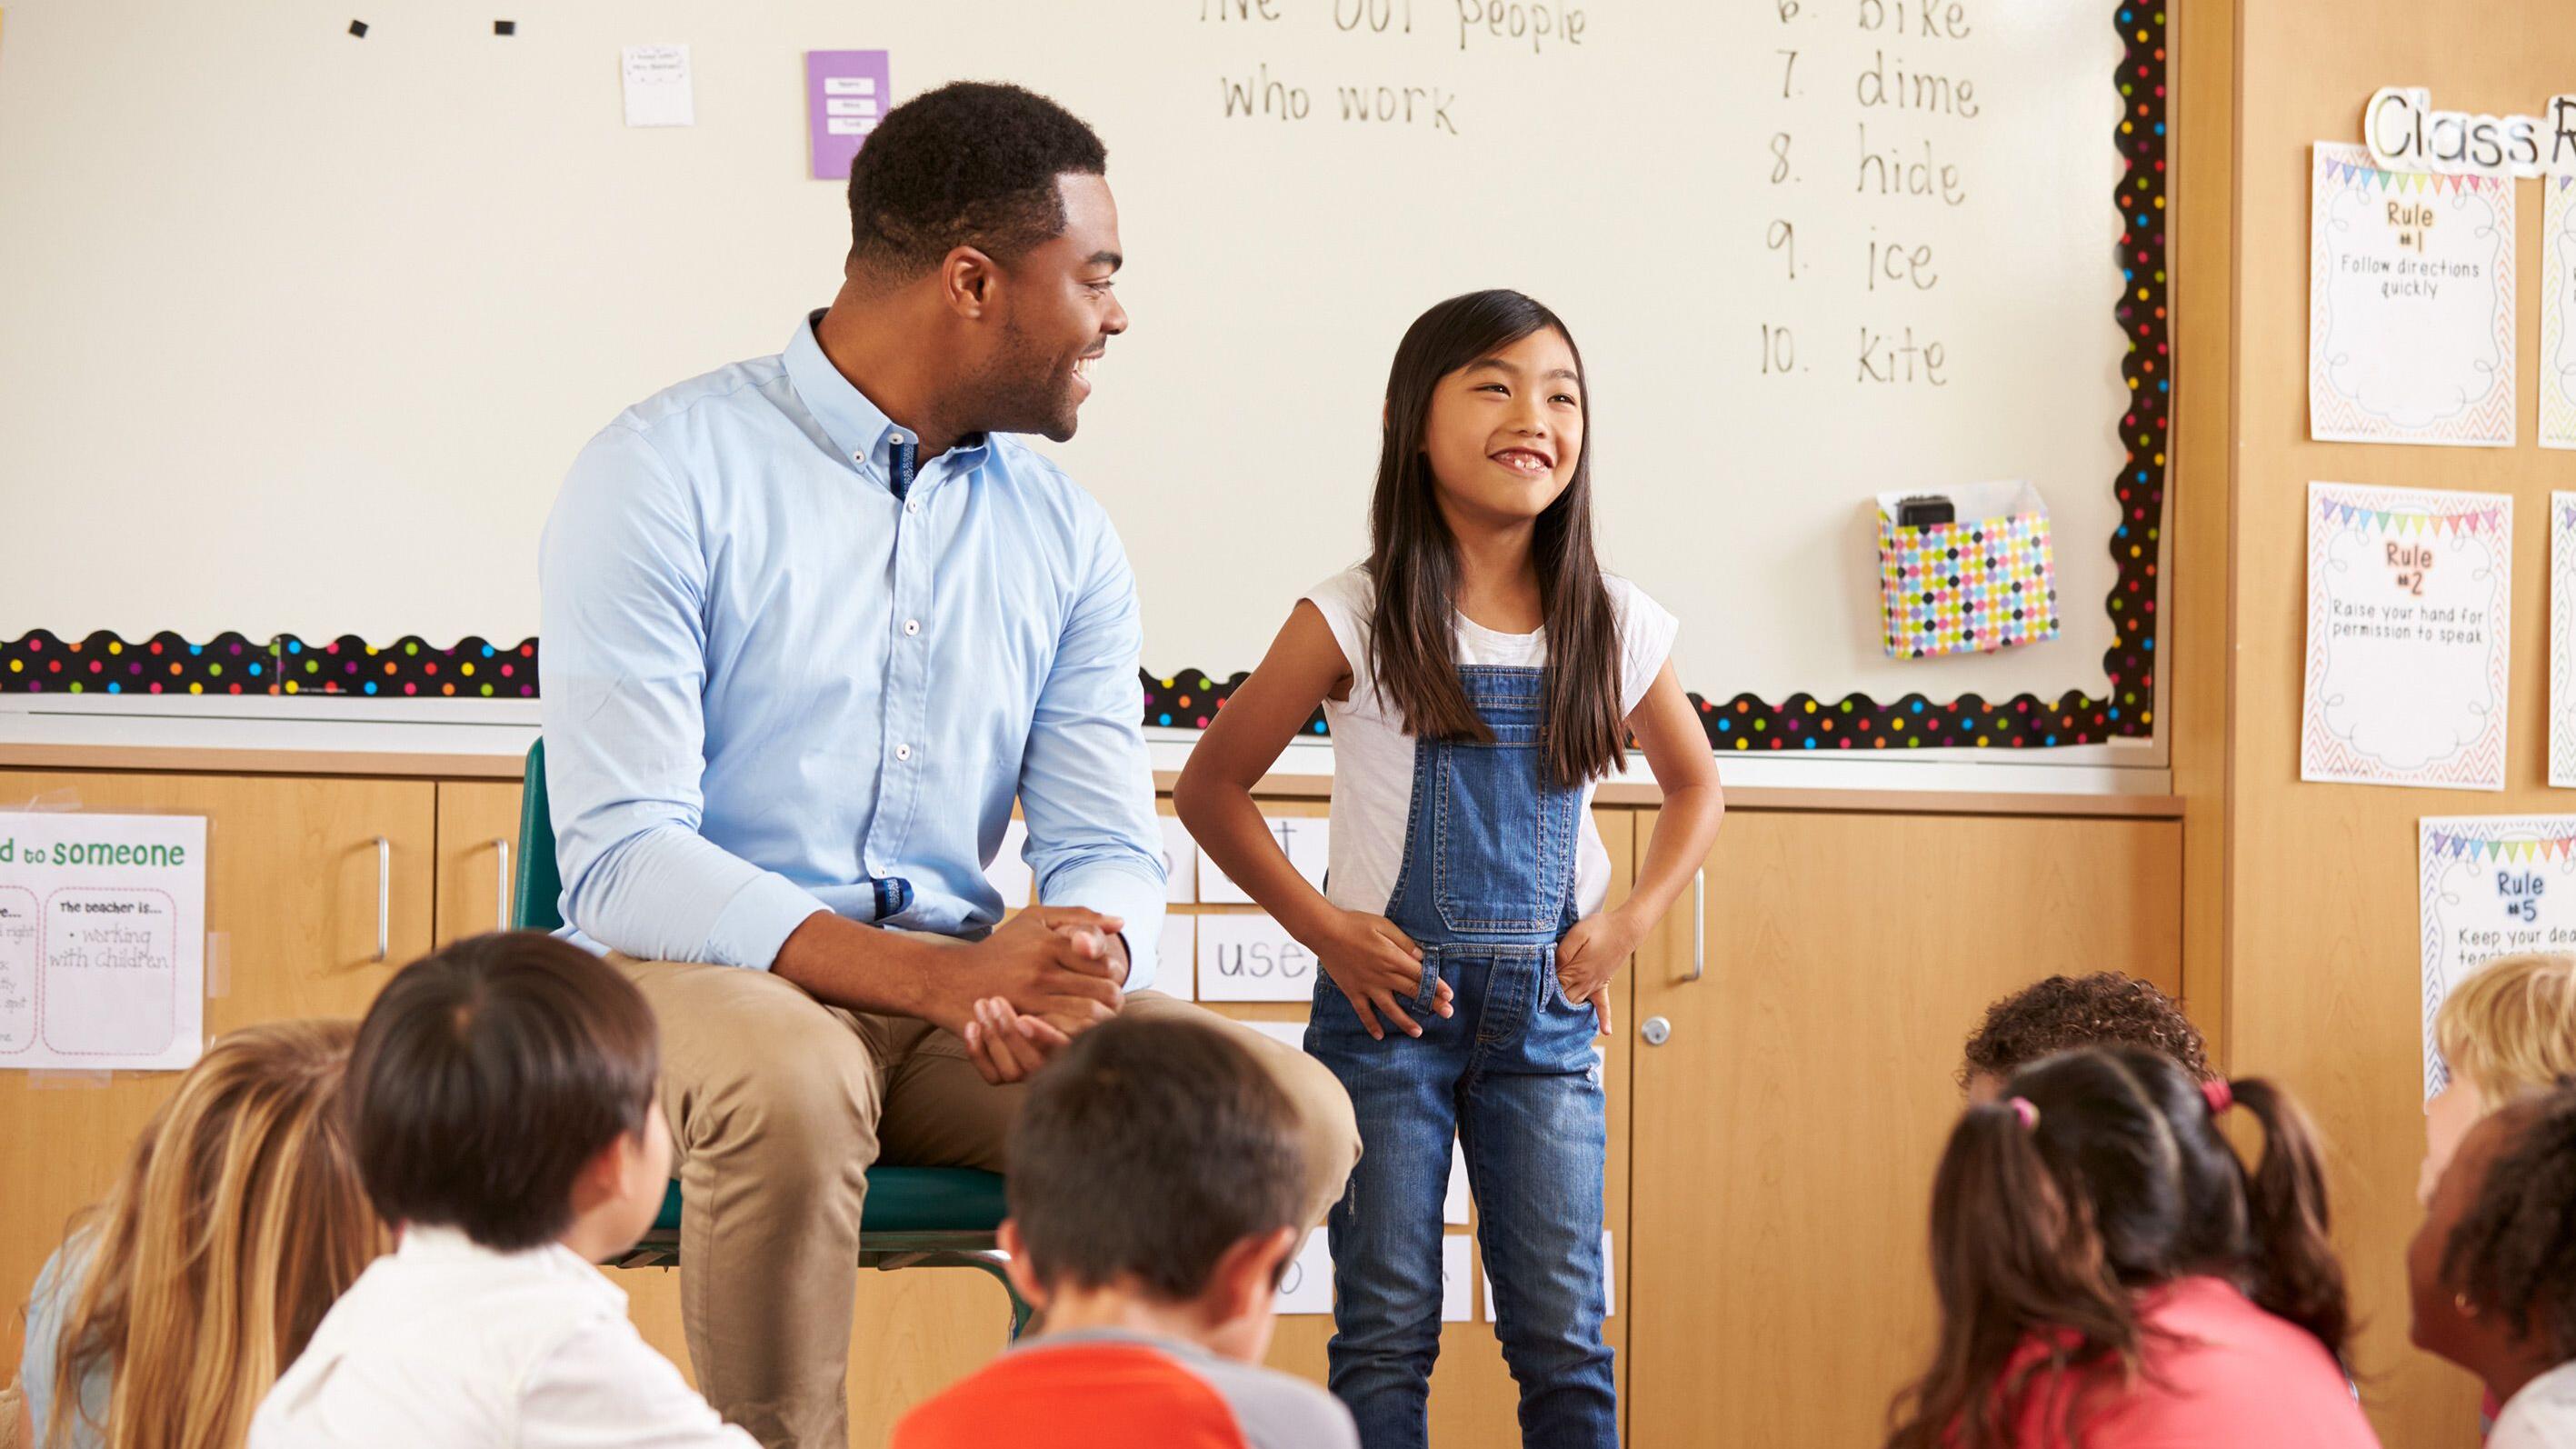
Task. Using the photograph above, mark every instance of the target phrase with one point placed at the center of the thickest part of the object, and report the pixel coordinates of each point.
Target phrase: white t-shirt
(442, 1344)
(1373, 756)
(2542, 1415)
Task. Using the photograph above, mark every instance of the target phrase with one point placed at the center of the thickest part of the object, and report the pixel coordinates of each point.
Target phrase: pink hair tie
(2024, 1112)
(2218, 1095)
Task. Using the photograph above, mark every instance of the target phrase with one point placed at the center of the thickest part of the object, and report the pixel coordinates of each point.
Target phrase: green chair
(916, 1217)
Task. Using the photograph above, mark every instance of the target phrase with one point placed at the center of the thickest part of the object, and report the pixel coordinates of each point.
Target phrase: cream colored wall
(302, 330)
(2321, 898)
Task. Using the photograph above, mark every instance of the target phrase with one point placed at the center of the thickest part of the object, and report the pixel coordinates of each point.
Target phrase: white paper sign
(2410, 304)
(102, 940)
(2562, 639)
(659, 91)
(2558, 312)
(1180, 863)
(1609, 1283)
(1453, 1203)
(1307, 840)
(1252, 958)
(1457, 1279)
(1290, 1034)
(1307, 1287)
(2410, 609)
(2493, 885)
(1176, 967)
(1009, 873)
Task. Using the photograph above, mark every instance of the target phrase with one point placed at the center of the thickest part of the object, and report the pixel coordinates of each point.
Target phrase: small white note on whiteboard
(1457, 1289)
(1176, 963)
(1009, 872)
(1307, 1286)
(1609, 1283)
(1180, 863)
(102, 941)
(1308, 842)
(659, 91)
(1252, 958)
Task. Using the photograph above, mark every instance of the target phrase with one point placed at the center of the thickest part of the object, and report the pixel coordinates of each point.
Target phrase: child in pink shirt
(2111, 1275)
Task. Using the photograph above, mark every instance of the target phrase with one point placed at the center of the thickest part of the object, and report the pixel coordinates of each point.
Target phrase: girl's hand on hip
(1376, 966)
(1590, 954)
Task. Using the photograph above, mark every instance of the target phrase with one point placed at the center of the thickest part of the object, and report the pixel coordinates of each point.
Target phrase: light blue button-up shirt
(770, 684)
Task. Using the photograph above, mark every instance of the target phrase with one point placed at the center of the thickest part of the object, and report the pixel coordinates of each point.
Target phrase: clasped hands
(1025, 992)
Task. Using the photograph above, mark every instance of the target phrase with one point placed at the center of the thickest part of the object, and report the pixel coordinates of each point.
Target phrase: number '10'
(1779, 350)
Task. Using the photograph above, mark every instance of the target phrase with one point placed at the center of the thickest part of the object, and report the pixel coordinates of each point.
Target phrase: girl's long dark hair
(2265, 1228)
(2042, 1235)
(1413, 559)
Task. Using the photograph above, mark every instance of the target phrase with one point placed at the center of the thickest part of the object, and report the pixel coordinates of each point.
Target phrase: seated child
(504, 1118)
(1156, 1192)
(2509, 1028)
(2105, 1009)
(2492, 1272)
(2084, 1302)
(237, 1220)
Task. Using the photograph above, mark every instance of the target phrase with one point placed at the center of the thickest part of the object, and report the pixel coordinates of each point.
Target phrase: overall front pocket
(1502, 847)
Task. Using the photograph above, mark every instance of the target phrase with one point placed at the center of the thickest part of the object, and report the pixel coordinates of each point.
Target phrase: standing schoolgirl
(1480, 675)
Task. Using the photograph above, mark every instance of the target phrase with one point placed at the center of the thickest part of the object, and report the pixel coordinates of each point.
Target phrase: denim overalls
(1486, 888)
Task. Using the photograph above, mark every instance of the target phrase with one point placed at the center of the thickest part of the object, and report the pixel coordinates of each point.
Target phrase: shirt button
(903, 752)
(912, 505)
(911, 627)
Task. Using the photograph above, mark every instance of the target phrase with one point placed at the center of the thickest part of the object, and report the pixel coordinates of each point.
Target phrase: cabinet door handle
(501, 891)
(1699, 925)
(384, 898)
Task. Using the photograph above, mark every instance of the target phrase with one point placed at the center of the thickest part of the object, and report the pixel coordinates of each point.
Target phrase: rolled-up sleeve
(623, 573)
(1086, 782)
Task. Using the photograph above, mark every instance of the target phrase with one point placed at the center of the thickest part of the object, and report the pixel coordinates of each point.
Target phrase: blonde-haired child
(2508, 1029)
(236, 1223)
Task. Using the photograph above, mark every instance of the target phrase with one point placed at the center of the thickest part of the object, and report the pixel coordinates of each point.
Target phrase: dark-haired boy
(503, 1117)
(1156, 1196)
(2104, 1009)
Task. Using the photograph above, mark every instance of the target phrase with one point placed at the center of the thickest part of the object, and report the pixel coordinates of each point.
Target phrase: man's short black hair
(2105, 1009)
(969, 164)
(487, 1074)
(1145, 1151)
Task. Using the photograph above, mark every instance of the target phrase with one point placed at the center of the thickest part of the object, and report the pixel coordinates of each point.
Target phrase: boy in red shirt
(1157, 1193)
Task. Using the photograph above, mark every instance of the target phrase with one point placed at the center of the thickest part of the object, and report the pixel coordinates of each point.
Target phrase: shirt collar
(424, 1242)
(862, 435)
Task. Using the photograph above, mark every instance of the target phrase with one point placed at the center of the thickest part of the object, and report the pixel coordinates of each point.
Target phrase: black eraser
(505, 27)
(358, 28)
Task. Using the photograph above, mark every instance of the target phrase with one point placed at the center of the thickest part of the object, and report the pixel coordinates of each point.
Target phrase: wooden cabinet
(1787, 1127)
(478, 843)
(293, 913)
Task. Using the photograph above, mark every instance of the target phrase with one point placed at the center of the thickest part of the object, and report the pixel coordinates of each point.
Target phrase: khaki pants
(778, 1104)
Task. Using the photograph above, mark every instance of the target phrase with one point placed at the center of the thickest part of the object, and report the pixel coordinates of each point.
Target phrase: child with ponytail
(2111, 1275)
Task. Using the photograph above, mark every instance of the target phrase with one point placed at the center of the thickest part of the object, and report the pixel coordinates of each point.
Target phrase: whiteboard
(298, 331)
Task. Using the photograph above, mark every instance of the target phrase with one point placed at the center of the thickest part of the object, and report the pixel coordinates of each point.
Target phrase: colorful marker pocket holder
(1980, 584)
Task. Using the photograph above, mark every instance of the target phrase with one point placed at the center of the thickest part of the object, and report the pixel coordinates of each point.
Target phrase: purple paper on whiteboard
(846, 91)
